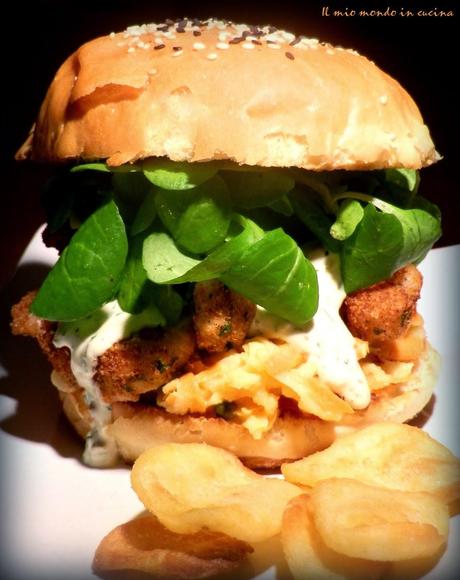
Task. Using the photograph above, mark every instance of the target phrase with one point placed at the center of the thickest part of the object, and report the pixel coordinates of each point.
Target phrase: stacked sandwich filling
(239, 224)
(215, 311)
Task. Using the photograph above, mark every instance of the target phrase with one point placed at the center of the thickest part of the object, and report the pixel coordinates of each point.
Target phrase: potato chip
(192, 486)
(312, 395)
(363, 521)
(308, 557)
(390, 455)
(415, 568)
(145, 545)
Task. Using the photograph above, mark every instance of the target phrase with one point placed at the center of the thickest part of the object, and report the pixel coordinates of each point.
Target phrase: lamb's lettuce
(349, 215)
(269, 269)
(145, 215)
(311, 212)
(275, 274)
(177, 176)
(131, 293)
(197, 219)
(386, 238)
(88, 272)
(166, 264)
(193, 222)
(253, 189)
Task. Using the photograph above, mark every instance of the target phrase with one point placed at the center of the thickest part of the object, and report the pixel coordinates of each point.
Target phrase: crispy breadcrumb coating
(222, 317)
(383, 311)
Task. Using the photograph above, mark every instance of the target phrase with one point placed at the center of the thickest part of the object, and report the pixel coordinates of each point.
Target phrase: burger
(239, 225)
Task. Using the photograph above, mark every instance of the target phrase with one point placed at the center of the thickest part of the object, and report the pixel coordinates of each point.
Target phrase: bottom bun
(290, 437)
(403, 401)
(137, 427)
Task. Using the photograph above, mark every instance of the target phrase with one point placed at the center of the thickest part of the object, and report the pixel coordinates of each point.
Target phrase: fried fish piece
(222, 317)
(133, 366)
(384, 311)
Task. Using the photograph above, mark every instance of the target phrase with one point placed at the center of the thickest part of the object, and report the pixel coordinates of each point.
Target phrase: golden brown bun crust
(137, 428)
(204, 97)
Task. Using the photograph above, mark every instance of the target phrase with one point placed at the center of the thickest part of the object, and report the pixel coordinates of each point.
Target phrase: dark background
(420, 52)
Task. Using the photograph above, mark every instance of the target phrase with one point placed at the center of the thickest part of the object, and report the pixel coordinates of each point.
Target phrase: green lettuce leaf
(348, 217)
(251, 189)
(312, 214)
(384, 241)
(88, 272)
(216, 263)
(275, 274)
(197, 219)
(172, 175)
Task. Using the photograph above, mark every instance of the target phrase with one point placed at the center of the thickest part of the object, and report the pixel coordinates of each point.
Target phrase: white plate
(55, 510)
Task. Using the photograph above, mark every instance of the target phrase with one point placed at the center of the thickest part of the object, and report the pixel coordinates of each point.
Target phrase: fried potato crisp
(390, 455)
(194, 486)
(363, 521)
(307, 555)
(145, 545)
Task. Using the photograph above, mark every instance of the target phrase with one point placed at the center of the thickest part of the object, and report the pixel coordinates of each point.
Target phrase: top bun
(197, 91)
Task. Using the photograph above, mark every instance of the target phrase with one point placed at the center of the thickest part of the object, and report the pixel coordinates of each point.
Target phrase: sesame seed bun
(195, 91)
(137, 427)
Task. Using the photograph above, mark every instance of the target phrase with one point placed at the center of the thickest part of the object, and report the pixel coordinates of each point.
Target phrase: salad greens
(143, 233)
(89, 269)
(175, 176)
(349, 214)
(275, 274)
(185, 213)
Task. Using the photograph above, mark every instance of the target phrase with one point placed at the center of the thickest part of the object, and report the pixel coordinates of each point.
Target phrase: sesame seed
(163, 28)
(383, 99)
(158, 40)
(131, 49)
(222, 45)
(309, 42)
(159, 46)
(289, 55)
(247, 45)
(212, 56)
(196, 33)
(112, 35)
(178, 52)
(296, 40)
(272, 44)
(176, 48)
(287, 36)
(236, 40)
(255, 31)
(199, 46)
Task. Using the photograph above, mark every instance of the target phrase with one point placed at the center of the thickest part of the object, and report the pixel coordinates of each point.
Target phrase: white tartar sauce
(87, 339)
(326, 339)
